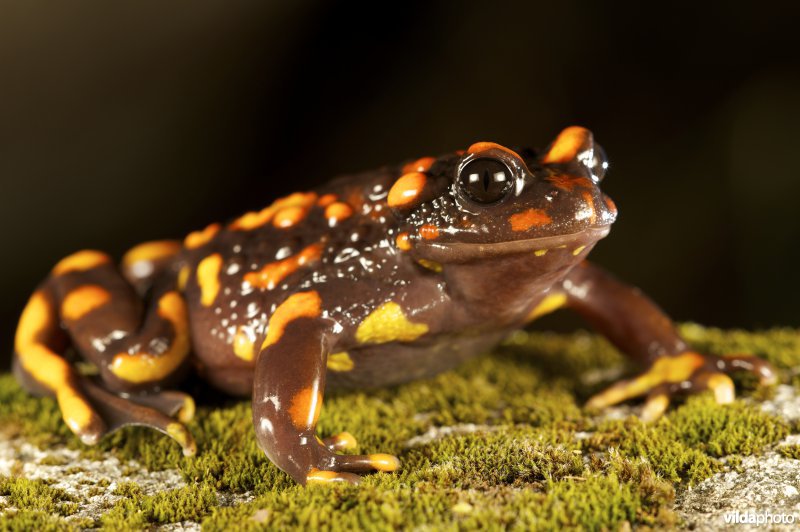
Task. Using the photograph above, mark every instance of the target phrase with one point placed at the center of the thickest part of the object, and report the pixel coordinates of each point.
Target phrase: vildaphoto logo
(758, 518)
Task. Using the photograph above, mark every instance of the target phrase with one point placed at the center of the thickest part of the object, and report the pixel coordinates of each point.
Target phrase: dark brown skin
(373, 280)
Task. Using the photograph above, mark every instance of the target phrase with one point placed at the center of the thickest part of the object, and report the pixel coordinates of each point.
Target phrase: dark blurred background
(121, 123)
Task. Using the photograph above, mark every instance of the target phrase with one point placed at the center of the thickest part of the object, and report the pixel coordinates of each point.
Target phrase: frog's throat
(463, 252)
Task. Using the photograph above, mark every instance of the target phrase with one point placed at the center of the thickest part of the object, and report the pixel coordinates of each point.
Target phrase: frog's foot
(323, 466)
(152, 411)
(686, 373)
(340, 442)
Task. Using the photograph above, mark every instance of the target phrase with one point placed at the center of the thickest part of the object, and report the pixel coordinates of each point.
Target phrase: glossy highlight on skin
(370, 280)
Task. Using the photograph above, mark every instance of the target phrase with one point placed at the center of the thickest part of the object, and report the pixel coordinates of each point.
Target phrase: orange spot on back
(326, 200)
(429, 232)
(83, 300)
(270, 275)
(289, 216)
(406, 189)
(567, 144)
(422, 164)
(196, 239)
(403, 242)
(336, 212)
(305, 408)
(479, 147)
(81, 261)
(243, 343)
(522, 221)
(253, 220)
(300, 305)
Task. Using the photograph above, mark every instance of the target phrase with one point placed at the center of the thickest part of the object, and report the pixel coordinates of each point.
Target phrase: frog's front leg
(636, 326)
(287, 398)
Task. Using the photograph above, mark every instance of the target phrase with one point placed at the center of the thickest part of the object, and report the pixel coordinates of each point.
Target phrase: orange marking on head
(289, 216)
(305, 408)
(151, 251)
(81, 261)
(406, 189)
(403, 242)
(336, 212)
(429, 232)
(522, 221)
(208, 278)
(83, 300)
(587, 197)
(146, 367)
(270, 275)
(422, 164)
(252, 220)
(479, 147)
(610, 204)
(568, 183)
(300, 305)
(199, 238)
(567, 144)
(326, 200)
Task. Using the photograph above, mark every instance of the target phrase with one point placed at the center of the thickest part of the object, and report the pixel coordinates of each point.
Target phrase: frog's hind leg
(137, 351)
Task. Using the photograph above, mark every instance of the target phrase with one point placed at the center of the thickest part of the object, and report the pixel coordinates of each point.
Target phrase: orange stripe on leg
(300, 305)
(83, 300)
(146, 367)
(81, 261)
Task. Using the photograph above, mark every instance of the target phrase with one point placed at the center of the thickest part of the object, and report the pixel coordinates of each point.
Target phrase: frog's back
(234, 276)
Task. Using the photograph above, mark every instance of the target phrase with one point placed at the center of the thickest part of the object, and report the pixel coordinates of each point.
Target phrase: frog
(370, 280)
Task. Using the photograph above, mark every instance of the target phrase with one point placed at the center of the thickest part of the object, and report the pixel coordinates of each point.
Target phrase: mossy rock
(501, 442)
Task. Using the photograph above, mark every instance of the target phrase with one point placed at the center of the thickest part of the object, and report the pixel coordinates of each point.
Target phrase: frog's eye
(485, 180)
(595, 161)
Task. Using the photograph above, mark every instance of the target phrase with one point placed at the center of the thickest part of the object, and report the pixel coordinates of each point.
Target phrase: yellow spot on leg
(305, 408)
(146, 367)
(300, 305)
(208, 278)
(83, 300)
(51, 370)
(430, 264)
(81, 261)
(388, 323)
(577, 250)
(384, 462)
(550, 303)
(179, 433)
(340, 361)
(540, 252)
(150, 251)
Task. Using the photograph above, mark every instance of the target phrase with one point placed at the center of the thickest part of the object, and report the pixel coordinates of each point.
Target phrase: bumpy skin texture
(373, 280)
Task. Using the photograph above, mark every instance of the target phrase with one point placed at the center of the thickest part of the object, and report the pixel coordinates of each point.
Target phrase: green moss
(790, 451)
(527, 455)
(135, 510)
(24, 494)
(27, 520)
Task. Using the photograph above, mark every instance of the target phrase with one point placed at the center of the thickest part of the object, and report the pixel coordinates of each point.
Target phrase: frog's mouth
(463, 252)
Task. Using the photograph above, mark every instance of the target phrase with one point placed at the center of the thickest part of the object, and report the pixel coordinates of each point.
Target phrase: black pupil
(485, 180)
